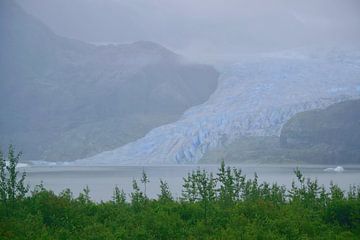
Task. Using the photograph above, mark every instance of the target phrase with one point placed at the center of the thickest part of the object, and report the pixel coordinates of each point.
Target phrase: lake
(102, 179)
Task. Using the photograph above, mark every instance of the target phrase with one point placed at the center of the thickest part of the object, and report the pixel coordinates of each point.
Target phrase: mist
(165, 81)
(206, 30)
(179, 119)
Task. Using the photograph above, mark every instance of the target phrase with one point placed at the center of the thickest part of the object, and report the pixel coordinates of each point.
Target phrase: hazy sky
(205, 28)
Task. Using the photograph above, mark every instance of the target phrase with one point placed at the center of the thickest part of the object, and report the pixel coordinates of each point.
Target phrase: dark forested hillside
(332, 134)
(63, 99)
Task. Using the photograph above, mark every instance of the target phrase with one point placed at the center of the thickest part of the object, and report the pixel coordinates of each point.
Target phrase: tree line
(224, 205)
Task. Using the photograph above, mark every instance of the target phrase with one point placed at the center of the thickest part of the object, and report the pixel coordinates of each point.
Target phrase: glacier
(254, 97)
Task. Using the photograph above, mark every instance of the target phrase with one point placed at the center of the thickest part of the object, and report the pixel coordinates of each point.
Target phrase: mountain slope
(62, 99)
(334, 132)
(254, 98)
(321, 136)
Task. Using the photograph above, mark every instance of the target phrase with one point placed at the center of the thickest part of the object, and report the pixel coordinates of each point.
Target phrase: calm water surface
(102, 180)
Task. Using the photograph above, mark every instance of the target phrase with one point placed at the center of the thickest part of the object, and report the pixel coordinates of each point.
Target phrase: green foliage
(84, 196)
(165, 194)
(11, 188)
(137, 197)
(228, 206)
(144, 180)
(228, 189)
(119, 197)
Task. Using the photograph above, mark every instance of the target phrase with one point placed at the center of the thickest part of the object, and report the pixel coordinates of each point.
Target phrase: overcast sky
(205, 28)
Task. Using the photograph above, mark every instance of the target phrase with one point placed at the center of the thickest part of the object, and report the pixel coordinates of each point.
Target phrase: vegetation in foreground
(226, 205)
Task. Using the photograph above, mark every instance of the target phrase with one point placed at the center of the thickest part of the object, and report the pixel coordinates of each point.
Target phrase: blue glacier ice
(255, 97)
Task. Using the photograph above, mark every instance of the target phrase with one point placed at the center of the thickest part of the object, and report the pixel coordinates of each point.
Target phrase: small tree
(137, 197)
(206, 184)
(308, 192)
(227, 188)
(11, 188)
(165, 194)
(119, 197)
(144, 180)
(84, 196)
(190, 191)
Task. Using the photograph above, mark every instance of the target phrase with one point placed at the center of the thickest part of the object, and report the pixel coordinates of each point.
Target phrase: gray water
(102, 179)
